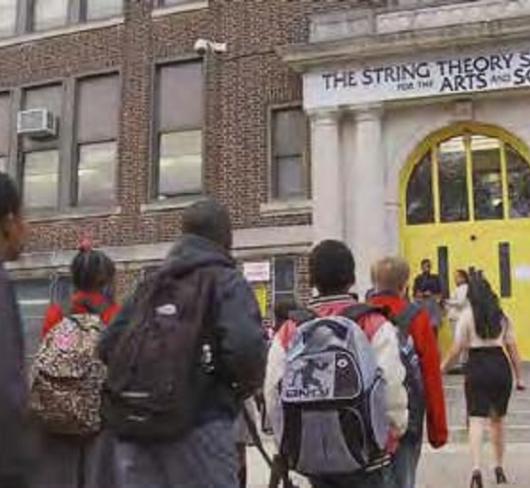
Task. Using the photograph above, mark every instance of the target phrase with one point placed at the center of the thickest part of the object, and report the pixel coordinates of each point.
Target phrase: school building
(399, 126)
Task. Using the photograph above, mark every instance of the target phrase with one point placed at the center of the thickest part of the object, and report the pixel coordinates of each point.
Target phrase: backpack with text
(67, 377)
(333, 397)
(164, 361)
(413, 378)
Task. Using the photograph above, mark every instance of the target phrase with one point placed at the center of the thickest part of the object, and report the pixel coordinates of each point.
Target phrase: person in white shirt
(456, 305)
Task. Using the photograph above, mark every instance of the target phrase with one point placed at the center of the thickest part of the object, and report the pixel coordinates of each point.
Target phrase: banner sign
(418, 78)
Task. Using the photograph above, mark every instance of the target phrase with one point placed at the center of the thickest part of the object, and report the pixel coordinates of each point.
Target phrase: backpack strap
(360, 310)
(404, 320)
(302, 315)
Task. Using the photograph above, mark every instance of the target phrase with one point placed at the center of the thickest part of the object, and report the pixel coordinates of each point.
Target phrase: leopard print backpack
(67, 377)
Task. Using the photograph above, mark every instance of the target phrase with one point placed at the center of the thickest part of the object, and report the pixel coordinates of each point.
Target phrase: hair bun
(85, 245)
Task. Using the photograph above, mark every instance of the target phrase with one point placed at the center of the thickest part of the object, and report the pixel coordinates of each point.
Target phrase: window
(4, 131)
(479, 177)
(453, 180)
(40, 157)
(8, 17)
(518, 184)
(167, 3)
(420, 208)
(284, 279)
(48, 14)
(101, 9)
(41, 179)
(290, 173)
(34, 298)
(178, 171)
(97, 128)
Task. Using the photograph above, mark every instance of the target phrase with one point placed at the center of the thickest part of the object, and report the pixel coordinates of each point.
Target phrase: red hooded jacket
(427, 349)
(55, 314)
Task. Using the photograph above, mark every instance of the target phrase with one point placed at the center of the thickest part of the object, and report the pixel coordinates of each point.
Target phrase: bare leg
(497, 440)
(476, 432)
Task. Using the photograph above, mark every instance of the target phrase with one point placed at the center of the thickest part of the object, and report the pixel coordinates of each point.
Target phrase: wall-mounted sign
(258, 271)
(418, 77)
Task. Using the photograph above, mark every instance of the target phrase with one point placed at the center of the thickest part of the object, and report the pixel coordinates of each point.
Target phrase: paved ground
(448, 468)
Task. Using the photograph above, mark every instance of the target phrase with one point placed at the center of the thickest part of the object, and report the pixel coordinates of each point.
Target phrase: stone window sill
(61, 31)
(293, 207)
(72, 214)
(171, 204)
(177, 9)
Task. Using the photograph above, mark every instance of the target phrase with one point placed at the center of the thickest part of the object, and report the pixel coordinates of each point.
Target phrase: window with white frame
(8, 17)
(178, 169)
(4, 131)
(41, 157)
(100, 9)
(289, 154)
(284, 279)
(97, 129)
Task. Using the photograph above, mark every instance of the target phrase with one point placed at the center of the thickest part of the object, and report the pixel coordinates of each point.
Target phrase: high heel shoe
(476, 480)
(500, 476)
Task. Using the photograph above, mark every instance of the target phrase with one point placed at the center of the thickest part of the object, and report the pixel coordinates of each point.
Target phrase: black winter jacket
(242, 347)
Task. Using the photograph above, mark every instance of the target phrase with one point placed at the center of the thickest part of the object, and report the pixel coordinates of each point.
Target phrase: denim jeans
(406, 462)
(382, 478)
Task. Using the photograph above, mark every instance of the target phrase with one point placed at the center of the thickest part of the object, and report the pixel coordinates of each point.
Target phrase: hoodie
(242, 347)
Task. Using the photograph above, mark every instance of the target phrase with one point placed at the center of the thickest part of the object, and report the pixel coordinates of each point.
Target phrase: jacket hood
(191, 252)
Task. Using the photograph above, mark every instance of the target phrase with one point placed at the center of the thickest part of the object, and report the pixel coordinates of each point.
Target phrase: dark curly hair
(92, 270)
(10, 203)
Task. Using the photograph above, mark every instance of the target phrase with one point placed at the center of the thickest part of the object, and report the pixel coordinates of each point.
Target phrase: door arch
(465, 194)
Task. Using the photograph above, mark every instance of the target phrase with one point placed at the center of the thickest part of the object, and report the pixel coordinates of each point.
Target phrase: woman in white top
(456, 305)
(485, 332)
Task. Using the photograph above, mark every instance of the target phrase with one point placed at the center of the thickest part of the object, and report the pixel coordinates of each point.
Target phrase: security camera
(203, 46)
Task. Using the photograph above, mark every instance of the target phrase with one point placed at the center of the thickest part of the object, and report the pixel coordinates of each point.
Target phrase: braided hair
(10, 203)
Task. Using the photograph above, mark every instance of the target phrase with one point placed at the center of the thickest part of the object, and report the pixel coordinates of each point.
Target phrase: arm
(386, 347)
(460, 343)
(13, 392)
(427, 350)
(242, 338)
(513, 354)
(54, 315)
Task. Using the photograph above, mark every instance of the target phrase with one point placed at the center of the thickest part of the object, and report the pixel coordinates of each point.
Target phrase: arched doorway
(466, 203)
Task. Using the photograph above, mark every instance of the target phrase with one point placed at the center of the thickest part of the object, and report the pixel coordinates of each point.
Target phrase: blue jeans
(382, 478)
(406, 461)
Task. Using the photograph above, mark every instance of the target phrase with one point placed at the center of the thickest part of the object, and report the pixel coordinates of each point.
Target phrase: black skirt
(488, 382)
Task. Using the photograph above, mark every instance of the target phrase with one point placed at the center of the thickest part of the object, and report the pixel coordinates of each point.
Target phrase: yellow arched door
(466, 203)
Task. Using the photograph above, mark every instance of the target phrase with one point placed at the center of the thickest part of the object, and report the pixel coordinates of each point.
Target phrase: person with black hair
(198, 288)
(14, 446)
(332, 273)
(282, 309)
(487, 334)
(428, 293)
(69, 460)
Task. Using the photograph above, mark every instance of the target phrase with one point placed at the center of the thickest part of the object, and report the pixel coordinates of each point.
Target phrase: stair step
(514, 434)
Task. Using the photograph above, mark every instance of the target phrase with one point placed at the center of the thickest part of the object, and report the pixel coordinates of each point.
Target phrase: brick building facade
(239, 90)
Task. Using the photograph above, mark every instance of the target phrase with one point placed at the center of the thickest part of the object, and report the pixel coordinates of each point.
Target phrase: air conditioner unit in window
(38, 123)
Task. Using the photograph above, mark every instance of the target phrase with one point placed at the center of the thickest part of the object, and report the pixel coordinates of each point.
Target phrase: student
(428, 293)
(486, 333)
(332, 273)
(14, 467)
(456, 305)
(204, 324)
(391, 276)
(76, 461)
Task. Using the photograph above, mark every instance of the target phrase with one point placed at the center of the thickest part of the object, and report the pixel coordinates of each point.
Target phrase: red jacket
(55, 314)
(427, 349)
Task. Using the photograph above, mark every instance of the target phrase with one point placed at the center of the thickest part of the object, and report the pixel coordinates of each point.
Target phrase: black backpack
(163, 363)
(413, 378)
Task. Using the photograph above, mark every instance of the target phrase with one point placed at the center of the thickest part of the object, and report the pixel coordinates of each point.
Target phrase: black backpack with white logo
(163, 363)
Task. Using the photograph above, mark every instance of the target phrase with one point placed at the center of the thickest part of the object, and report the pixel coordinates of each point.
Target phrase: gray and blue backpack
(333, 397)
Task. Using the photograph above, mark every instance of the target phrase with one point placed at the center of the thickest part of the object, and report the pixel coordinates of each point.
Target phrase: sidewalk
(448, 468)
